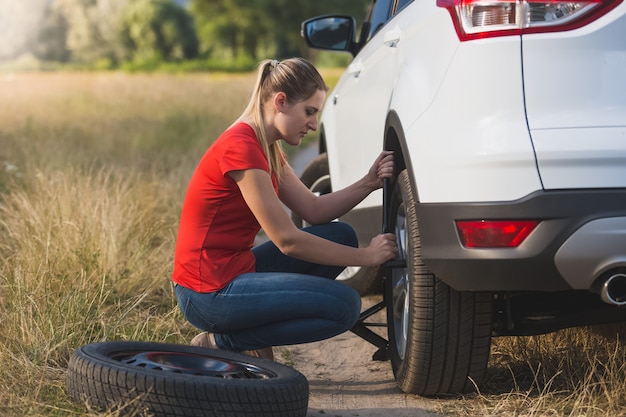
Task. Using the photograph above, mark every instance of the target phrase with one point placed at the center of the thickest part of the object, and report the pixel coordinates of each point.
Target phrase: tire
(177, 380)
(316, 176)
(439, 338)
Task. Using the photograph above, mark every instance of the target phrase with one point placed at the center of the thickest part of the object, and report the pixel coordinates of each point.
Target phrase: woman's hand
(382, 168)
(381, 249)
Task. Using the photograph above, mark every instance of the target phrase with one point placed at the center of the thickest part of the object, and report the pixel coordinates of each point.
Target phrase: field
(93, 169)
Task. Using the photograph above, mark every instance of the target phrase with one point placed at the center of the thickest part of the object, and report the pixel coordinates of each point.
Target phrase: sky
(18, 18)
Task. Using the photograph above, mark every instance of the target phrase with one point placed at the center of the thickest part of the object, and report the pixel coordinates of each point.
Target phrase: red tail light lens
(476, 19)
(494, 233)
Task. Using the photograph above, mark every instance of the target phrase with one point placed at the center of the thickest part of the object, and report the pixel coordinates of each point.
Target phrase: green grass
(93, 170)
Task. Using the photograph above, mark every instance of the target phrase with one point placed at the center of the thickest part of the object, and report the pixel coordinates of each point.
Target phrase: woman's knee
(352, 308)
(348, 234)
(338, 232)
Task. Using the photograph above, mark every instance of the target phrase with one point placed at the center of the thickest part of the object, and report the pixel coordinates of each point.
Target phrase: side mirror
(334, 33)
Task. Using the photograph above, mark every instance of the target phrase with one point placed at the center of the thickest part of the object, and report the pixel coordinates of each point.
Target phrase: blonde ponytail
(298, 79)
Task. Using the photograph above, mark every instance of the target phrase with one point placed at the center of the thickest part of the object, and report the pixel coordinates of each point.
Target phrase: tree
(50, 43)
(230, 27)
(159, 29)
(271, 27)
(93, 28)
(114, 31)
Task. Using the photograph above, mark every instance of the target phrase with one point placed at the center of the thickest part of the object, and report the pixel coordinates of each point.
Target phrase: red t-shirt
(217, 229)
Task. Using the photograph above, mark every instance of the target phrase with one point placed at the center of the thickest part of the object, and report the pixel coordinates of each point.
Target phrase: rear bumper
(569, 249)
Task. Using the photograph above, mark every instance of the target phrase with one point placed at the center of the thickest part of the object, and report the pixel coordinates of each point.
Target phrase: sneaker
(205, 340)
(265, 353)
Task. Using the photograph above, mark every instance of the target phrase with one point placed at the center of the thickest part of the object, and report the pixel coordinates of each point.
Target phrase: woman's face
(294, 120)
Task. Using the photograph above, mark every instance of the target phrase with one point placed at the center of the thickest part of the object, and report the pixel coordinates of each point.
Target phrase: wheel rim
(348, 273)
(400, 288)
(193, 364)
(323, 186)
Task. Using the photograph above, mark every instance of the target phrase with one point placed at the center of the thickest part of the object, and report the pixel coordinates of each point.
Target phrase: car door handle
(391, 38)
(355, 69)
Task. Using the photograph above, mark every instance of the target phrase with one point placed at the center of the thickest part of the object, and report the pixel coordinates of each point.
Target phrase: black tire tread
(106, 384)
(449, 331)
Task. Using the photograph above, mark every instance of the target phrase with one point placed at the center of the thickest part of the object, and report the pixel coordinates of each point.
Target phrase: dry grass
(114, 119)
(573, 372)
(93, 168)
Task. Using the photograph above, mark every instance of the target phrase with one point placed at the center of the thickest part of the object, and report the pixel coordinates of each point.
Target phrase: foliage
(155, 30)
(270, 27)
(241, 64)
(87, 29)
(50, 43)
(230, 28)
(145, 34)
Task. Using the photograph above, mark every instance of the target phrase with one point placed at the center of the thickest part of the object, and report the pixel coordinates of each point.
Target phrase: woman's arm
(322, 209)
(257, 190)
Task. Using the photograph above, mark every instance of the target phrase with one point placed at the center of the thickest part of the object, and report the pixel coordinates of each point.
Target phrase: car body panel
(372, 67)
(576, 103)
(593, 250)
(484, 136)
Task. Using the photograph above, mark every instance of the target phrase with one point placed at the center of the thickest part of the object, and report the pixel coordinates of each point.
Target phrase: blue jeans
(286, 301)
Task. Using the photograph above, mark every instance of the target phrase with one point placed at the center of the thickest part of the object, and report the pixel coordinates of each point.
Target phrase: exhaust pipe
(614, 289)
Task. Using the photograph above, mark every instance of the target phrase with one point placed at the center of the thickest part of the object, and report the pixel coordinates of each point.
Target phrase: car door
(360, 102)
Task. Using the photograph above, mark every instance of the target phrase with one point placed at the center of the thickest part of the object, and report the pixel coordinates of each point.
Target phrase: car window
(401, 5)
(380, 12)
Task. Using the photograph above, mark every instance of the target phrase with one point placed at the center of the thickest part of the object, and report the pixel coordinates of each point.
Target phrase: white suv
(508, 123)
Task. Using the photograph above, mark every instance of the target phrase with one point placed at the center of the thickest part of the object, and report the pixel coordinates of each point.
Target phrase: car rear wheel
(316, 176)
(439, 338)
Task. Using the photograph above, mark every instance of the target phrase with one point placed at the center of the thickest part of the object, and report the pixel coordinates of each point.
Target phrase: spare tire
(178, 380)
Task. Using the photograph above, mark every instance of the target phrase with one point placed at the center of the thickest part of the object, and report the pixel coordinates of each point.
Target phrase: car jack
(362, 327)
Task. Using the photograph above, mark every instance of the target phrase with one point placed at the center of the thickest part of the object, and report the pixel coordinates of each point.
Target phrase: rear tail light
(494, 233)
(475, 19)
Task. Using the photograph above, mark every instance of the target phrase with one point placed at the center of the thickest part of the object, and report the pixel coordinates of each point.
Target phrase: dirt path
(344, 381)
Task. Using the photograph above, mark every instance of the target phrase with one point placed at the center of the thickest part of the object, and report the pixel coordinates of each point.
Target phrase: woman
(282, 292)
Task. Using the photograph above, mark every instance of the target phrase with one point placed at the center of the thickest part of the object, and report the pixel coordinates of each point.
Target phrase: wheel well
(392, 143)
(395, 141)
(321, 143)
